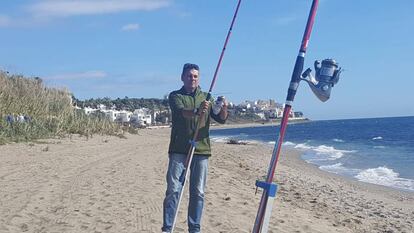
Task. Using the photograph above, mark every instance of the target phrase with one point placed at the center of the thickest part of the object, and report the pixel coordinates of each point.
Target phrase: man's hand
(191, 113)
(204, 106)
(203, 110)
(223, 113)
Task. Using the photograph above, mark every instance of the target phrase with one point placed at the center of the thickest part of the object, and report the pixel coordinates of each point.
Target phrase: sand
(110, 184)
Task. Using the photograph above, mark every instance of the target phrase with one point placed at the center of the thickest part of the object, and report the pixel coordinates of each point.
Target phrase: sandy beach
(112, 184)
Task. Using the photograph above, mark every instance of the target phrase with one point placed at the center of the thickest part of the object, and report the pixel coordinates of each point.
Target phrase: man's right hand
(204, 106)
(198, 111)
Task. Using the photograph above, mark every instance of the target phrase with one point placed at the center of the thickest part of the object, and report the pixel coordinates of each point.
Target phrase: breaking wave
(338, 168)
(385, 176)
(220, 139)
(287, 143)
(321, 152)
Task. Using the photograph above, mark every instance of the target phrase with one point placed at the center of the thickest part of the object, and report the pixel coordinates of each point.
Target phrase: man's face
(190, 79)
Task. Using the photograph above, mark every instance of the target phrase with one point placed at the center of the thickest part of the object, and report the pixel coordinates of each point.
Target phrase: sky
(136, 48)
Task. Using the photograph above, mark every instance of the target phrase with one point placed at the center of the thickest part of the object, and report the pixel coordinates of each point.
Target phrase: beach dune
(111, 184)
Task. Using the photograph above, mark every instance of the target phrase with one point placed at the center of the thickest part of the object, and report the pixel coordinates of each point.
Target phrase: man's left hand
(204, 106)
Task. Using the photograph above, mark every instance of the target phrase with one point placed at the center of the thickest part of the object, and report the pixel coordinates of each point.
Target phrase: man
(188, 104)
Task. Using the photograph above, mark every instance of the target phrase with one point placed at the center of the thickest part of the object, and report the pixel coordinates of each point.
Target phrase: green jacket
(182, 131)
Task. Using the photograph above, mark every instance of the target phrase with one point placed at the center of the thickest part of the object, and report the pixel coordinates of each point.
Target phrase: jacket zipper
(194, 106)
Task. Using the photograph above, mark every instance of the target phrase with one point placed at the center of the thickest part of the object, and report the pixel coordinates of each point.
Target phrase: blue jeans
(198, 177)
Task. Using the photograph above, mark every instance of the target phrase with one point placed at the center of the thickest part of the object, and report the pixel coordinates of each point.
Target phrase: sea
(375, 150)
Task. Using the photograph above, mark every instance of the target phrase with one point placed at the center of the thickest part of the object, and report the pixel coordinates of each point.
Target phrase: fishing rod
(326, 76)
(184, 175)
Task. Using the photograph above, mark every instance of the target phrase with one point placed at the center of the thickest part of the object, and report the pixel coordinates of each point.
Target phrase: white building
(124, 116)
(89, 110)
(261, 115)
(245, 105)
(101, 107)
(142, 116)
(111, 114)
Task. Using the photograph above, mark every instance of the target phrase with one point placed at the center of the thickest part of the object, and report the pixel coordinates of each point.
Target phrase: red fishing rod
(193, 142)
(327, 74)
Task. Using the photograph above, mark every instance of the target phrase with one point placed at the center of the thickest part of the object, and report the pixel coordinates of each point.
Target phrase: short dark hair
(189, 66)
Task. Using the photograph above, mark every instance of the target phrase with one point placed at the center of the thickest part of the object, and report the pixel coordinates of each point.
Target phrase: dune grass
(50, 111)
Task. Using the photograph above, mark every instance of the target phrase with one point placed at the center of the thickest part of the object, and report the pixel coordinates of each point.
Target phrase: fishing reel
(326, 76)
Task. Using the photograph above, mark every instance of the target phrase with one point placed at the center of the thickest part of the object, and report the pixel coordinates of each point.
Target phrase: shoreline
(239, 124)
(235, 141)
(110, 184)
(353, 181)
(256, 124)
(298, 157)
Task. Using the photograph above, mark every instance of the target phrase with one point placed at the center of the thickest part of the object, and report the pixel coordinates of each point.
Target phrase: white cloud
(5, 21)
(43, 11)
(130, 27)
(67, 8)
(83, 75)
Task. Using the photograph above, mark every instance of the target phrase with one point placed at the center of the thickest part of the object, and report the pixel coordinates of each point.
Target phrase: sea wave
(385, 176)
(220, 139)
(287, 143)
(303, 146)
(335, 168)
(224, 139)
(321, 152)
(337, 140)
(338, 168)
(377, 138)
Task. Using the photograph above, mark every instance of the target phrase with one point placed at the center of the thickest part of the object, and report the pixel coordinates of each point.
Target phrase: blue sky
(136, 48)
